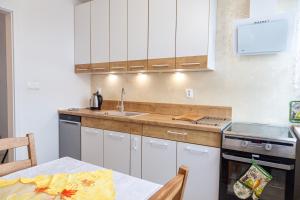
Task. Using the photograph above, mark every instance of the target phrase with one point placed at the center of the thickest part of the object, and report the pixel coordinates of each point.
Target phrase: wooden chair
(174, 189)
(12, 143)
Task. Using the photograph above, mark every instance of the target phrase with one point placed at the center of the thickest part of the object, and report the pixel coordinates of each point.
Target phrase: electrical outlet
(189, 93)
(33, 85)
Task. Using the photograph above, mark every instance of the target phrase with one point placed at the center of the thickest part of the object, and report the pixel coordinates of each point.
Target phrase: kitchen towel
(252, 183)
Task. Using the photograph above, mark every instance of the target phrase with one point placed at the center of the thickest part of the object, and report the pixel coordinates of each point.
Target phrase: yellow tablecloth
(97, 185)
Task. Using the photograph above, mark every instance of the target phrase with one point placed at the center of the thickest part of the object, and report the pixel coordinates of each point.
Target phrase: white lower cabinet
(158, 160)
(92, 145)
(136, 156)
(117, 151)
(153, 159)
(203, 163)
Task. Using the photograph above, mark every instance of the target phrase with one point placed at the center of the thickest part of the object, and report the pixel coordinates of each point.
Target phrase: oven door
(235, 164)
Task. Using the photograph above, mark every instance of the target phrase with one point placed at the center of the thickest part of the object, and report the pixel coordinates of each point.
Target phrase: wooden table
(127, 187)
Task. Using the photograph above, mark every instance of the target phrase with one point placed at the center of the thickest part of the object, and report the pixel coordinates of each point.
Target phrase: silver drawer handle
(91, 132)
(192, 150)
(137, 67)
(99, 68)
(176, 133)
(115, 136)
(189, 64)
(118, 67)
(260, 162)
(82, 69)
(70, 122)
(158, 144)
(163, 65)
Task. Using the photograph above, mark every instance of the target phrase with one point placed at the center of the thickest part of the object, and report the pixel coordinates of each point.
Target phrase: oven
(234, 164)
(272, 147)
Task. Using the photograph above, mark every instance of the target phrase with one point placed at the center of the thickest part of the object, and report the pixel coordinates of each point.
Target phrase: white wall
(44, 52)
(258, 88)
(3, 79)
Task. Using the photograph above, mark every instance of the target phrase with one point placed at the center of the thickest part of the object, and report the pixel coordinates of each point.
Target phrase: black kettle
(96, 101)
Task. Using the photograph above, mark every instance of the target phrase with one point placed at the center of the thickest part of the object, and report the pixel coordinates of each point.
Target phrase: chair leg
(5, 155)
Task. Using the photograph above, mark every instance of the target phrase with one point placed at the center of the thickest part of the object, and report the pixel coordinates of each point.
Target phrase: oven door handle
(260, 162)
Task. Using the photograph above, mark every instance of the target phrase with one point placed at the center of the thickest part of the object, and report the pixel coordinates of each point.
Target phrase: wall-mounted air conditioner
(263, 36)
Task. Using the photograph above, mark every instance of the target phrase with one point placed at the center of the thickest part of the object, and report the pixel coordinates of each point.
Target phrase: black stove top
(261, 131)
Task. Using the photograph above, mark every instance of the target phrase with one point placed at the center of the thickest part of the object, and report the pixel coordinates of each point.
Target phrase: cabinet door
(92, 146)
(158, 160)
(162, 25)
(203, 163)
(118, 35)
(82, 33)
(100, 35)
(137, 34)
(192, 38)
(136, 156)
(117, 151)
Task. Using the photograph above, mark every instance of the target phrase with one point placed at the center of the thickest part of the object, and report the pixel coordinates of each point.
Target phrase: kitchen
(129, 52)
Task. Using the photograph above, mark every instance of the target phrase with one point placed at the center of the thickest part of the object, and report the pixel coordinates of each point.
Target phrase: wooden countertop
(148, 119)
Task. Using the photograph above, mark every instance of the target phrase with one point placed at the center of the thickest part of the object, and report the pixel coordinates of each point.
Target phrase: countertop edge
(136, 119)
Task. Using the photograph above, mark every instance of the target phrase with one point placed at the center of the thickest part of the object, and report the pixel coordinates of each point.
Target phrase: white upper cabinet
(145, 35)
(137, 29)
(162, 25)
(192, 27)
(83, 33)
(195, 36)
(100, 31)
(203, 163)
(117, 151)
(118, 30)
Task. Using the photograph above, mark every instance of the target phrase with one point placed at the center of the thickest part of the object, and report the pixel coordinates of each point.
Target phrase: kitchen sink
(122, 114)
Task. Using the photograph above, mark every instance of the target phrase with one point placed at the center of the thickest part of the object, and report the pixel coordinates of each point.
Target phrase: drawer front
(100, 67)
(191, 62)
(137, 65)
(183, 135)
(83, 68)
(119, 66)
(161, 64)
(112, 125)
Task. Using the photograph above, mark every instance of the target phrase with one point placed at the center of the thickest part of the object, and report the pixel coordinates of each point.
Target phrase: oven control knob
(244, 144)
(268, 147)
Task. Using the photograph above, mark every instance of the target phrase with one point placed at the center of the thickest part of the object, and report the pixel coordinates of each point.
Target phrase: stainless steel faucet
(121, 107)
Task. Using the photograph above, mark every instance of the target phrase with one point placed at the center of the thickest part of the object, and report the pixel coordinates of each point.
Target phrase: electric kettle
(96, 101)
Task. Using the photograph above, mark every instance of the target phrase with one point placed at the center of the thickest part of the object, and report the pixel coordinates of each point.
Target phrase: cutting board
(189, 117)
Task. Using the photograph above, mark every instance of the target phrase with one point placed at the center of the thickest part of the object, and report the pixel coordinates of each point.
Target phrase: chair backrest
(174, 189)
(12, 143)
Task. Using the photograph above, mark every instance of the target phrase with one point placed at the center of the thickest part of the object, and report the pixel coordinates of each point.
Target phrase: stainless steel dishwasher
(70, 136)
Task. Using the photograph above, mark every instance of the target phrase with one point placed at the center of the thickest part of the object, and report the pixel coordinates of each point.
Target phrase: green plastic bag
(252, 183)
